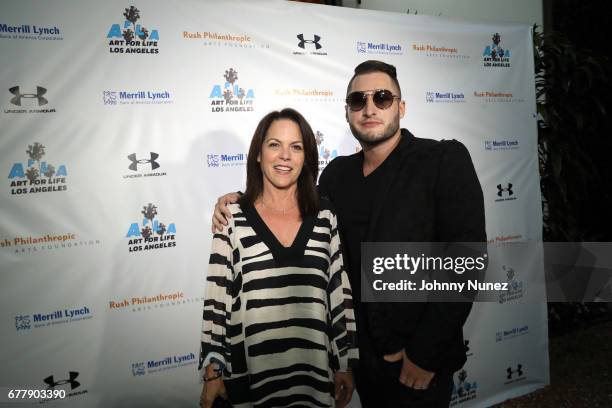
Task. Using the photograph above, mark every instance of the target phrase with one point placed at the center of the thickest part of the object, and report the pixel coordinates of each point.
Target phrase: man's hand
(412, 375)
(212, 390)
(222, 213)
(343, 388)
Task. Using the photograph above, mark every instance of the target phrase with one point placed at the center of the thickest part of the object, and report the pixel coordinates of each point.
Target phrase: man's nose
(370, 108)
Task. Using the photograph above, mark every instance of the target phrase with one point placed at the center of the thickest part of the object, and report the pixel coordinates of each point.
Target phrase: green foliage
(571, 87)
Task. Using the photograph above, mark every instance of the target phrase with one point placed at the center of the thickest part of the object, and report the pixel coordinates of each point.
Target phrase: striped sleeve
(341, 315)
(217, 312)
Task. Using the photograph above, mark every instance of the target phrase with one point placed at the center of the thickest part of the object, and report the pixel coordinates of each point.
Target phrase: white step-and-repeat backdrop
(121, 124)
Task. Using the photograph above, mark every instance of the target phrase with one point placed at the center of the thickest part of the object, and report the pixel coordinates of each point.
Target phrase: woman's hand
(212, 390)
(222, 213)
(343, 388)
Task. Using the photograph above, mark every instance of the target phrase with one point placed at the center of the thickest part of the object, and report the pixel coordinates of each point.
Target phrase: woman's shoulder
(235, 210)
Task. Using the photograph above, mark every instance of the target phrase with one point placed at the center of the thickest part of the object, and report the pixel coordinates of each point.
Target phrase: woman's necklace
(278, 210)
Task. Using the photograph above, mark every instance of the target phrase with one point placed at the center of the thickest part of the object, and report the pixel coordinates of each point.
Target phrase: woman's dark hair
(308, 198)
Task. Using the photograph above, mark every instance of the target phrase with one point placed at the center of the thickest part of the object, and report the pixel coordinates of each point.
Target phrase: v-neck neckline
(282, 255)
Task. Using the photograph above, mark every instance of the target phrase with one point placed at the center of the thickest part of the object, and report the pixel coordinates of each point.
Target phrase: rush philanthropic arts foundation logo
(24, 100)
(442, 52)
(315, 95)
(379, 48)
(145, 165)
(463, 389)
(225, 40)
(495, 55)
(142, 303)
(309, 44)
(444, 97)
(132, 37)
(151, 233)
(29, 32)
(325, 153)
(515, 286)
(35, 175)
(39, 320)
(497, 97)
(160, 364)
(27, 244)
(114, 98)
(231, 96)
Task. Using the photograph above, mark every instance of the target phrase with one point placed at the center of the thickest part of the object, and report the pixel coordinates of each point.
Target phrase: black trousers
(379, 387)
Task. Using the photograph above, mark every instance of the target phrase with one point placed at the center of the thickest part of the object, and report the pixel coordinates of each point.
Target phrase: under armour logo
(511, 372)
(315, 41)
(71, 380)
(40, 91)
(500, 190)
(136, 162)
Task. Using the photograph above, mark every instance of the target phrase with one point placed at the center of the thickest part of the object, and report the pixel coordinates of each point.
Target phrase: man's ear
(402, 109)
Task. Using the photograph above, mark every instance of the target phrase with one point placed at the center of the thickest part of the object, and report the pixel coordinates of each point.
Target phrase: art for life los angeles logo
(143, 165)
(326, 154)
(494, 55)
(151, 234)
(28, 100)
(231, 96)
(464, 389)
(28, 322)
(515, 286)
(29, 32)
(132, 37)
(36, 176)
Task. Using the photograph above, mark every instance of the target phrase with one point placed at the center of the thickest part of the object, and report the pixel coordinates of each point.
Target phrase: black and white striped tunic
(281, 317)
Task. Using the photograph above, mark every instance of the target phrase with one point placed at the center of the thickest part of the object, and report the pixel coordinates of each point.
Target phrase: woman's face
(282, 155)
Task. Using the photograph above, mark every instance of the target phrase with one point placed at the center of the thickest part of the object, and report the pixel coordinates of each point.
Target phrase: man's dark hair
(308, 198)
(370, 66)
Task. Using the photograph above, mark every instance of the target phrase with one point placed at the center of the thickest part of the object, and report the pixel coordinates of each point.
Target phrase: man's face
(372, 125)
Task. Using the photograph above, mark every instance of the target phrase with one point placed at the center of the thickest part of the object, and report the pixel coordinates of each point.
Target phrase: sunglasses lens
(356, 101)
(383, 99)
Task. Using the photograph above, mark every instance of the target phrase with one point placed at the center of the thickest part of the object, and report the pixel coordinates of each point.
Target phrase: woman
(278, 324)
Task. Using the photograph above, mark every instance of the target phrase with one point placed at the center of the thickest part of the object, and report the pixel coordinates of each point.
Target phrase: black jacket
(433, 195)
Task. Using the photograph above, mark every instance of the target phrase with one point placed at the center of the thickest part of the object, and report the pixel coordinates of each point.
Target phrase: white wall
(518, 11)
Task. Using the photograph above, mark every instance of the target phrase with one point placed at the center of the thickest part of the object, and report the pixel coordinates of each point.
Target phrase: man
(400, 188)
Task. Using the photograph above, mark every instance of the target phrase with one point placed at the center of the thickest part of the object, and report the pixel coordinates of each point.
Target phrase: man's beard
(376, 139)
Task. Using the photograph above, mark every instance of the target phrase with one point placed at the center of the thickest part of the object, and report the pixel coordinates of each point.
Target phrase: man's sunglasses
(382, 98)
